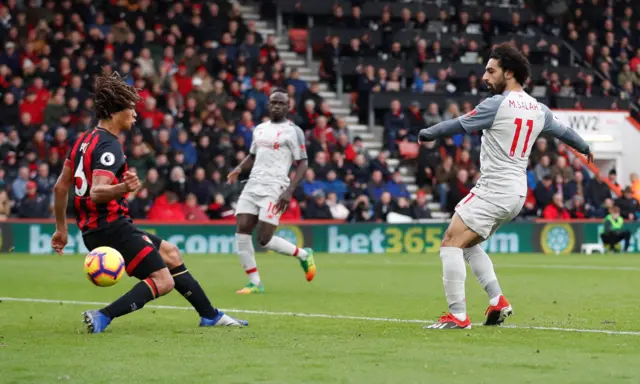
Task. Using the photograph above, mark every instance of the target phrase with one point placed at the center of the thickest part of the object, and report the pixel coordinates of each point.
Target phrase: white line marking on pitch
(322, 316)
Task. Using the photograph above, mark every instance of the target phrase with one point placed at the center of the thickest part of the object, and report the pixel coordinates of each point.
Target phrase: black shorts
(139, 249)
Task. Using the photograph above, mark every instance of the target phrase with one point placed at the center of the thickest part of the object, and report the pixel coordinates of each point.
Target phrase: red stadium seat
(298, 39)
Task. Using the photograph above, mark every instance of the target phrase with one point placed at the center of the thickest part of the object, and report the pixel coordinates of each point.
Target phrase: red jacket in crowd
(552, 212)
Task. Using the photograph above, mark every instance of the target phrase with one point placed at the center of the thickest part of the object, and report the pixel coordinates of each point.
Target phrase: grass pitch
(576, 321)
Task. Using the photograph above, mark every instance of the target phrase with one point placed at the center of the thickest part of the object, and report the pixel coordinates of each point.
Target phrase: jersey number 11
(514, 143)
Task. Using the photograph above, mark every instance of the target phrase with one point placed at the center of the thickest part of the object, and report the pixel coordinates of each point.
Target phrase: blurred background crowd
(204, 73)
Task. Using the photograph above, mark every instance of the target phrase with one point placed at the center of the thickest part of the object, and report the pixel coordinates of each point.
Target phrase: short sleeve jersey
(511, 123)
(97, 152)
(275, 146)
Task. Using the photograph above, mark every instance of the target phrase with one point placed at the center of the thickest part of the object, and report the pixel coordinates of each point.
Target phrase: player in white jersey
(511, 121)
(276, 145)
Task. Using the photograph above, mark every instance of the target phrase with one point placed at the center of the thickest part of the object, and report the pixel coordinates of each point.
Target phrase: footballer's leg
(142, 261)
(457, 237)
(246, 223)
(267, 227)
(482, 268)
(189, 287)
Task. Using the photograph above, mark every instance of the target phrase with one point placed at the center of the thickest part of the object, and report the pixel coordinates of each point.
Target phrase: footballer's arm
(103, 191)
(554, 128)
(245, 165)
(301, 169)
(480, 118)
(61, 198)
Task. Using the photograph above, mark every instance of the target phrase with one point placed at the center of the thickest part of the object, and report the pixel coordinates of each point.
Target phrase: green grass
(46, 343)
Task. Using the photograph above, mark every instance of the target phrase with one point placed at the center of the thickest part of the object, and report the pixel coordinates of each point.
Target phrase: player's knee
(163, 280)
(170, 255)
(264, 239)
(447, 239)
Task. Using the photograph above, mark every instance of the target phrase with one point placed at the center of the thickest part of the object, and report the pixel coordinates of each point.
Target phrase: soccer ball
(104, 266)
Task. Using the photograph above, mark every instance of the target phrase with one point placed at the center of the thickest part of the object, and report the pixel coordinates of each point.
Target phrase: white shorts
(262, 206)
(484, 215)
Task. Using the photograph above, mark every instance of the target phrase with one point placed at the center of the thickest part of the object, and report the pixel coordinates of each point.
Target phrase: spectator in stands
(317, 207)
(578, 209)
(333, 185)
(432, 115)
(628, 205)
(377, 186)
(416, 121)
(397, 187)
(44, 180)
(420, 208)
(219, 209)
(321, 166)
(395, 121)
(383, 207)
(561, 168)
(542, 169)
(361, 211)
(19, 186)
(380, 164)
(33, 205)
(444, 175)
(544, 192)
(192, 209)
(556, 210)
(360, 170)
(200, 187)
(338, 210)
(458, 189)
(402, 207)
(597, 193)
(140, 206)
(310, 184)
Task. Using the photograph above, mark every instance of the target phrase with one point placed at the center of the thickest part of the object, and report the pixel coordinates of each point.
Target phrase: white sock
(482, 268)
(282, 246)
(454, 274)
(244, 244)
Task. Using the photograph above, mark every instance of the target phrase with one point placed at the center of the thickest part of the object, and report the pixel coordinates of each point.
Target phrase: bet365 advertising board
(525, 237)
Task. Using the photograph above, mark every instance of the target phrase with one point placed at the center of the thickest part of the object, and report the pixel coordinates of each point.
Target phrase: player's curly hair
(512, 59)
(113, 95)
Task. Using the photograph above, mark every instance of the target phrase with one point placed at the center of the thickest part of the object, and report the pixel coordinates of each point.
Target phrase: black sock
(136, 298)
(192, 291)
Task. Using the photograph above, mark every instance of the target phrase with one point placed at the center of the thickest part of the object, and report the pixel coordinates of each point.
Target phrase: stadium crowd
(204, 75)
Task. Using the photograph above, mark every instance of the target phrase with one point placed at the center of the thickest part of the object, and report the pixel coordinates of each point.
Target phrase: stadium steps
(371, 139)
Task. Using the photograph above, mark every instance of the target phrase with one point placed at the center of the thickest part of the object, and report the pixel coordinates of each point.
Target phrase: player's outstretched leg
(457, 236)
(246, 253)
(282, 246)
(191, 290)
(482, 267)
(157, 284)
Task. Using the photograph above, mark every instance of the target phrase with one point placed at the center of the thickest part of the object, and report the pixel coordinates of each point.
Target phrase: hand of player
(232, 177)
(59, 241)
(283, 201)
(589, 157)
(425, 135)
(131, 181)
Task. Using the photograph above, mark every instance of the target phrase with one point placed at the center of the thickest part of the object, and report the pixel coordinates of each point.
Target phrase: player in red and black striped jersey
(97, 167)
(98, 153)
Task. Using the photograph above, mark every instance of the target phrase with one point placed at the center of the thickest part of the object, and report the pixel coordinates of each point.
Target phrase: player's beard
(497, 88)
